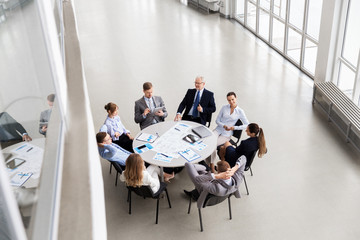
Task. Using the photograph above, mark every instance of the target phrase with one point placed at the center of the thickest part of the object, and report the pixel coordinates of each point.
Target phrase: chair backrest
(208, 119)
(212, 200)
(250, 161)
(143, 191)
(118, 167)
(237, 133)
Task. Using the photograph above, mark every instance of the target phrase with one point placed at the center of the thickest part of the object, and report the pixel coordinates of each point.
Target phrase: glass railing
(30, 120)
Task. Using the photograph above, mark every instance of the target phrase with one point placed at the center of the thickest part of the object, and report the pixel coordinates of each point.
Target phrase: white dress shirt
(225, 118)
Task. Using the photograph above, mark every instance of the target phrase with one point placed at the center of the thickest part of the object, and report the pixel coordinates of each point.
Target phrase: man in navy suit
(198, 103)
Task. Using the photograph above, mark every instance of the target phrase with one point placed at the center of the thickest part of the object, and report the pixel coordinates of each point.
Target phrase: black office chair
(211, 200)
(236, 133)
(208, 120)
(119, 169)
(146, 192)
(248, 167)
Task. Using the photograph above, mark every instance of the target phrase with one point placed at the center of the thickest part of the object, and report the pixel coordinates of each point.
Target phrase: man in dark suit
(11, 131)
(149, 109)
(198, 103)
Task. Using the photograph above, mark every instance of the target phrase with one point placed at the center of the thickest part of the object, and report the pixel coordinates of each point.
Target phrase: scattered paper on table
(162, 157)
(189, 155)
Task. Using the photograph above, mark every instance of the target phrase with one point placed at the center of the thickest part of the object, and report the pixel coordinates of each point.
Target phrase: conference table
(162, 144)
(32, 152)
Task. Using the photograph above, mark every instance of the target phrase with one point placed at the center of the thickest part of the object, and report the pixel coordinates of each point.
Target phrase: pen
(29, 149)
(164, 155)
(177, 129)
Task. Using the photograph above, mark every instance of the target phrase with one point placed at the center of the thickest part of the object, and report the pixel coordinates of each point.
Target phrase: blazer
(247, 147)
(140, 106)
(205, 183)
(44, 120)
(207, 102)
(10, 128)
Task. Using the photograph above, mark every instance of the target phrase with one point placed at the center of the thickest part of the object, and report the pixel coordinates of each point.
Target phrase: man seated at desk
(149, 109)
(111, 151)
(11, 131)
(227, 180)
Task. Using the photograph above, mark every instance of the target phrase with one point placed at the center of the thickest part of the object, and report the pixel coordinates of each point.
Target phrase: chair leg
(189, 205)
(167, 196)
(229, 207)
(251, 172)
(110, 167)
(117, 176)
(201, 225)
(157, 210)
(247, 190)
(129, 198)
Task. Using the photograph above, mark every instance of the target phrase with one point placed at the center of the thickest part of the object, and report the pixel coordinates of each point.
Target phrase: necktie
(196, 104)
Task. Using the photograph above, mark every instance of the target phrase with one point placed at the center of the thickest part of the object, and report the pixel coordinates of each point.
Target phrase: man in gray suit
(227, 180)
(149, 109)
(45, 115)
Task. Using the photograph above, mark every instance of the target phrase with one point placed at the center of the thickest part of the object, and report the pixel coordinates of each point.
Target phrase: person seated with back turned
(226, 120)
(109, 150)
(146, 112)
(198, 103)
(227, 180)
(45, 115)
(137, 175)
(119, 134)
(256, 141)
(11, 131)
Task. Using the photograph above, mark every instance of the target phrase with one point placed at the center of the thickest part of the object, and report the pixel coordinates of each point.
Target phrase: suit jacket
(247, 147)
(207, 102)
(10, 128)
(44, 120)
(140, 106)
(205, 183)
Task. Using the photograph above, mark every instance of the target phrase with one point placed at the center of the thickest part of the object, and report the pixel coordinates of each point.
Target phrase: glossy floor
(306, 187)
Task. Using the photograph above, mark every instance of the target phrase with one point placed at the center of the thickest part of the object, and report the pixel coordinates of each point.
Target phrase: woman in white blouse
(226, 120)
(136, 174)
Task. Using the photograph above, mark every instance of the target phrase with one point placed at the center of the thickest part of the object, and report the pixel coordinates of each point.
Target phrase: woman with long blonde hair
(136, 174)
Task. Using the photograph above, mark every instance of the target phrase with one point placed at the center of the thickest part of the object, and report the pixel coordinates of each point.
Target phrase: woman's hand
(130, 137)
(117, 134)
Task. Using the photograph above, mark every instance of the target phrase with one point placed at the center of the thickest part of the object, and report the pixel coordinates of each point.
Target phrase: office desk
(160, 129)
(33, 159)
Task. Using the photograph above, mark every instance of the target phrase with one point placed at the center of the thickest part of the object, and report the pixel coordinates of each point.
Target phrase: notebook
(202, 131)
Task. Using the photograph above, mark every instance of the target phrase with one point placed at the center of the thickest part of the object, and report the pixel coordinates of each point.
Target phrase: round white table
(162, 127)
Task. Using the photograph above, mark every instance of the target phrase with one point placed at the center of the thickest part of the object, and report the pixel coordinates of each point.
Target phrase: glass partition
(29, 110)
(289, 26)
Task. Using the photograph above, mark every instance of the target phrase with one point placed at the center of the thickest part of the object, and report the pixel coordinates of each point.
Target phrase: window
(289, 26)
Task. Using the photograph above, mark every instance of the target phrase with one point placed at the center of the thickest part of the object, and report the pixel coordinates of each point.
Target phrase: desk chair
(146, 192)
(247, 167)
(211, 200)
(208, 120)
(236, 133)
(119, 169)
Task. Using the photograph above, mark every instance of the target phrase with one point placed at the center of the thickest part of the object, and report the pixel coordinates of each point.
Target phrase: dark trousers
(231, 156)
(125, 142)
(191, 118)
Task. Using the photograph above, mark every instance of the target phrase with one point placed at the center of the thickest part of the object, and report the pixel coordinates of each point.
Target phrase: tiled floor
(306, 187)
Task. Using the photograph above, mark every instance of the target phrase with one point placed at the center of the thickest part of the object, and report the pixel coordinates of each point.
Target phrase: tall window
(346, 69)
(289, 26)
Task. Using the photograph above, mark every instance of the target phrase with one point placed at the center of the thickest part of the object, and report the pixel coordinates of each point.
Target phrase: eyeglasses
(198, 83)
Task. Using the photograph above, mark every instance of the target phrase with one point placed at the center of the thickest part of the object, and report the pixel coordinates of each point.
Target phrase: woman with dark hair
(119, 134)
(226, 120)
(256, 141)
